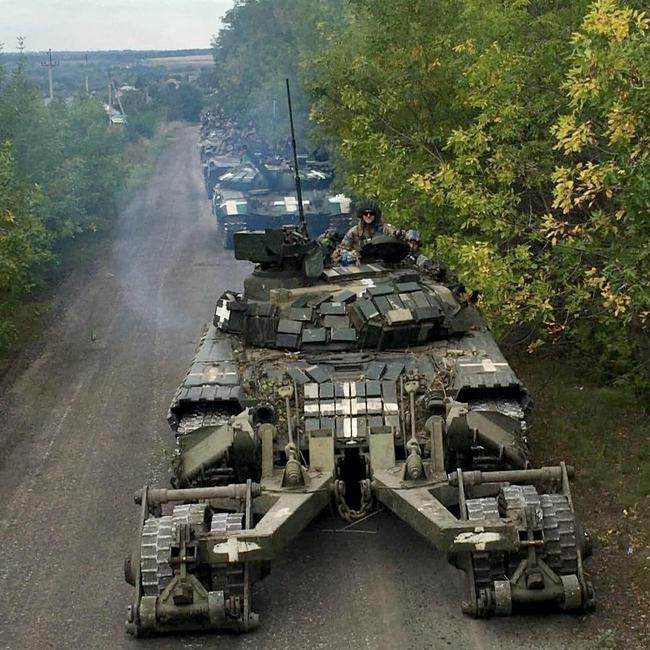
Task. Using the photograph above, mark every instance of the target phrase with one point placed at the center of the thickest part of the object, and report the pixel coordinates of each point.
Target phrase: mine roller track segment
(163, 577)
(487, 567)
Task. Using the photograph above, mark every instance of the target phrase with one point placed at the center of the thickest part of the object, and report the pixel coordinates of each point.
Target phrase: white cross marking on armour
(223, 313)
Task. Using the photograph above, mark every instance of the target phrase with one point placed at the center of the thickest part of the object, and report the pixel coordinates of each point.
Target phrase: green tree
(24, 242)
(599, 225)
(263, 42)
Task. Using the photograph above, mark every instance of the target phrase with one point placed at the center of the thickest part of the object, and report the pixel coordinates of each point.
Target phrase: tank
(255, 196)
(356, 386)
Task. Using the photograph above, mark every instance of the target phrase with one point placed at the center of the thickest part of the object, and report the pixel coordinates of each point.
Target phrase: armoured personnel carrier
(361, 385)
(255, 196)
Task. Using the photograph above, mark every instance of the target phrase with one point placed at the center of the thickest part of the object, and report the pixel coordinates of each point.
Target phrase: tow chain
(344, 509)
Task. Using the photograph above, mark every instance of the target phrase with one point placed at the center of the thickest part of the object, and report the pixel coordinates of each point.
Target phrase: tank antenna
(301, 212)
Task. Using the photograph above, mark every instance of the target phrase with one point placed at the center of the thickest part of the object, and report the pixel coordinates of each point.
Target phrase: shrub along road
(84, 427)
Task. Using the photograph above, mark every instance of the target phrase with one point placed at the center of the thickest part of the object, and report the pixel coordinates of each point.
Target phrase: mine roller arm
(516, 536)
(289, 512)
(428, 515)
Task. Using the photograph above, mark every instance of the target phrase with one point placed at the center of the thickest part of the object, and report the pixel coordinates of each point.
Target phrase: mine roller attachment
(199, 551)
(174, 590)
(545, 564)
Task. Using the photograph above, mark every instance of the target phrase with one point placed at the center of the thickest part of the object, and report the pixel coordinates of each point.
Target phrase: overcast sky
(110, 24)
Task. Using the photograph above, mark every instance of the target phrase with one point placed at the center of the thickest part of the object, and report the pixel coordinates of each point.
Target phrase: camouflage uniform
(359, 235)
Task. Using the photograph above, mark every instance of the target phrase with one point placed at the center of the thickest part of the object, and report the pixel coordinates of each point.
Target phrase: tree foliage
(261, 43)
(514, 134)
(60, 169)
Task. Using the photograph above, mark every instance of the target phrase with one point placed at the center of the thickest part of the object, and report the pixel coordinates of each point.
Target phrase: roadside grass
(604, 431)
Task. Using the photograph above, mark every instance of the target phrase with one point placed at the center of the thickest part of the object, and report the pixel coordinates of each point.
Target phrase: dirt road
(83, 426)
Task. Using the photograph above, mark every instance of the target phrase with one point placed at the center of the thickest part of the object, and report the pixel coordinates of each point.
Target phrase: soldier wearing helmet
(412, 237)
(413, 240)
(370, 225)
(432, 267)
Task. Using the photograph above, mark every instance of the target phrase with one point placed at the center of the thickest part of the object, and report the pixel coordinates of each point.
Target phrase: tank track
(487, 566)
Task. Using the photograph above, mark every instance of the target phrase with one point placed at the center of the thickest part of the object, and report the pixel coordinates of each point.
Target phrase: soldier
(413, 240)
(432, 267)
(370, 225)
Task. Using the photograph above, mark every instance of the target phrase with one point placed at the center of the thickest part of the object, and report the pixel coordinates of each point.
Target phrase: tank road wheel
(486, 567)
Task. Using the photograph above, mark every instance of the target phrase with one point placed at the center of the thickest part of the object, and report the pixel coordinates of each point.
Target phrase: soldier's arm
(392, 231)
(347, 249)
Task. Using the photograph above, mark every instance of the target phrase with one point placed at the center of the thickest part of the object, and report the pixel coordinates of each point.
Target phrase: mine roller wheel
(156, 541)
(487, 567)
(155, 550)
(513, 498)
(560, 544)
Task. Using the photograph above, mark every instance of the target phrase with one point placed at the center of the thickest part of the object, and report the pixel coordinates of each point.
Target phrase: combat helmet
(363, 205)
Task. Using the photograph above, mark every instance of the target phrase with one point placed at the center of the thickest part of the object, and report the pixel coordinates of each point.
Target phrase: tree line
(61, 172)
(513, 134)
(60, 169)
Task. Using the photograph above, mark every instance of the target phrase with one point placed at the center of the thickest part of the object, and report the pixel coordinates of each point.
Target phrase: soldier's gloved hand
(348, 257)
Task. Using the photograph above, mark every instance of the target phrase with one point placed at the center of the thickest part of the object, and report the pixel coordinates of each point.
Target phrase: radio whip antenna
(301, 212)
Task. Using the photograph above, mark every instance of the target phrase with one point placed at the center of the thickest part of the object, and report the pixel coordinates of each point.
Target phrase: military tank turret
(257, 195)
(361, 385)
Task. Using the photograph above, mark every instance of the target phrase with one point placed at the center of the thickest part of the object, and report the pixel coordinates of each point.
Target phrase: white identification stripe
(231, 207)
(342, 200)
(487, 365)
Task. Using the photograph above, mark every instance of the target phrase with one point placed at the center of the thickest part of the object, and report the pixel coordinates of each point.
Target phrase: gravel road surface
(83, 426)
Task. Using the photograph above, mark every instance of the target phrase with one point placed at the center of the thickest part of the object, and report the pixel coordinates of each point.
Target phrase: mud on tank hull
(365, 385)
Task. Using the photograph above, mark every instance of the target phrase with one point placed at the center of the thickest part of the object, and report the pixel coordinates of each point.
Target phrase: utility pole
(86, 72)
(21, 52)
(110, 100)
(49, 64)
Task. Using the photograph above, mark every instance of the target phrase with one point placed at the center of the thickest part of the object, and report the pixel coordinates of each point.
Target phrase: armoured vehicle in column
(255, 196)
(376, 383)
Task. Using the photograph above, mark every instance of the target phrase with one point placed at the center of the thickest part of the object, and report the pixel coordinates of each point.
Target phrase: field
(199, 60)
